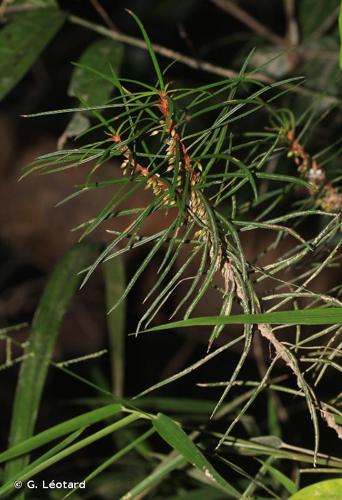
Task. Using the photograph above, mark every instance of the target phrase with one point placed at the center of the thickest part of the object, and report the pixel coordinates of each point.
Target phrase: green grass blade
(150, 50)
(58, 447)
(281, 451)
(156, 476)
(320, 316)
(174, 435)
(30, 471)
(288, 484)
(59, 430)
(47, 320)
(133, 444)
(114, 276)
(273, 422)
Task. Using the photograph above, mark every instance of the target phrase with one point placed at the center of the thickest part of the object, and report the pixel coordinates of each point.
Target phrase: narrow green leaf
(105, 56)
(150, 50)
(45, 327)
(31, 470)
(320, 316)
(205, 493)
(272, 441)
(79, 123)
(272, 446)
(126, 449)
(324, 490)
(61, 445)
(59, 430)
(155, 477)
(272, 416)
(114, 275)
(280, 477)
(21, 42)
(174, 435)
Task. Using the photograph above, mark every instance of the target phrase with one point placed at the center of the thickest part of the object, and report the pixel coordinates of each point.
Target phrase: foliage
(207, 169)
(37, 354)
(325, 489)
(22, 40)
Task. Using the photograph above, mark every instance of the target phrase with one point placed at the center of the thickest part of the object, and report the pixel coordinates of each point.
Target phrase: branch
(196, 64)
(165, 52)
(252, 23)
(292, 31)
(6, 9)
(326, 24)
(103, 14)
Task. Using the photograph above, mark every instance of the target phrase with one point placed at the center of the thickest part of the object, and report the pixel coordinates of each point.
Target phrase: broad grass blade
(114, 276)
(47, 320)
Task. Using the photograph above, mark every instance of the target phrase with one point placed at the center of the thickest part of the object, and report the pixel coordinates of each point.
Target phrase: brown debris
(324, 194)
(195, 208)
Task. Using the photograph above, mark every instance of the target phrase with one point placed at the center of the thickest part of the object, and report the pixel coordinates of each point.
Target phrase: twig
(326, 24)
(6, 9)
(3, 6)
(331, 55)
(164, 51)
(256, 26)
(292, 32)
(198, 64)
(104, 15)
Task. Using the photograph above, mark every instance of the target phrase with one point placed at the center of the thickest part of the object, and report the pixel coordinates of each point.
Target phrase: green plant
(340, 29)
(209, 174)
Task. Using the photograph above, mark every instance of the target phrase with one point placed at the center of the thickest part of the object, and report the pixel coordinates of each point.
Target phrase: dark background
(33, 234)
